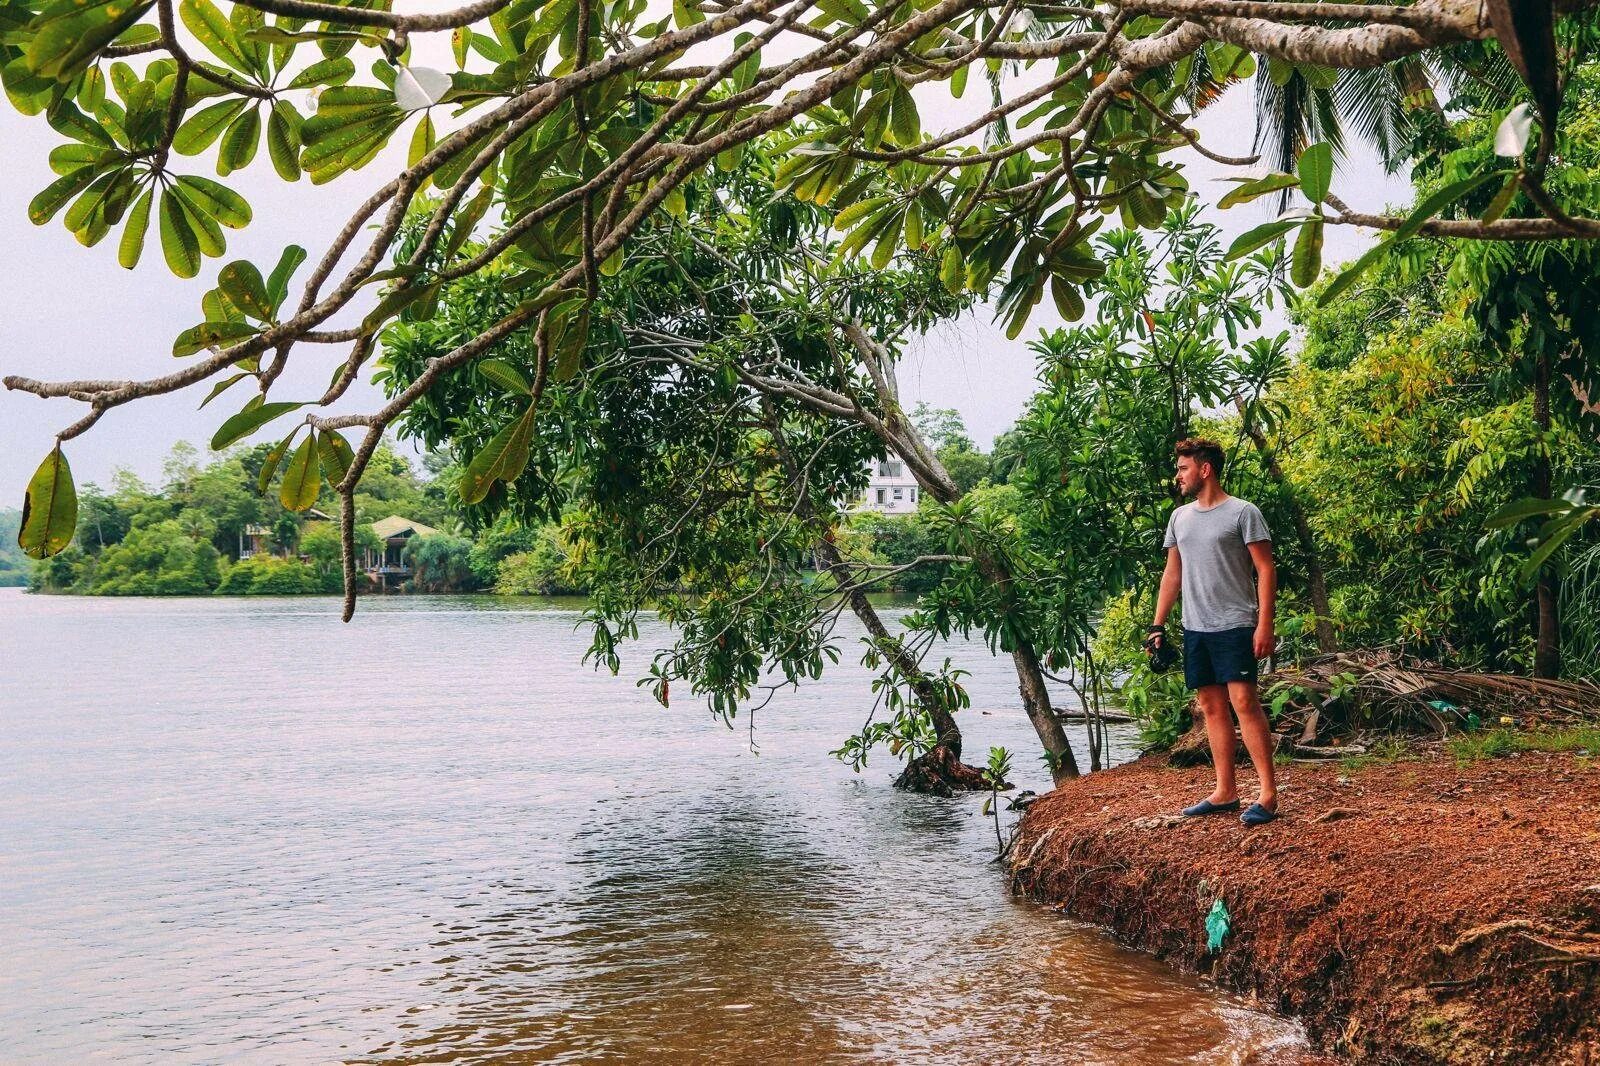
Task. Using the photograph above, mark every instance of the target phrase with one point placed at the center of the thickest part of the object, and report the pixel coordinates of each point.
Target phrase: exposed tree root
(940, 772)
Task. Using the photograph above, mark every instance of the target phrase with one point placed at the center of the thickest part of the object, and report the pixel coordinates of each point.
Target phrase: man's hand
(1266, 642)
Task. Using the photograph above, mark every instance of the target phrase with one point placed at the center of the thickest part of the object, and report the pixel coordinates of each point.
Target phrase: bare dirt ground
(1413, 911)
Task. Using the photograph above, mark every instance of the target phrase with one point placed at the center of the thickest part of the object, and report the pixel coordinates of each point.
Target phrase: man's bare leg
(1257, 734)
(1213, 703)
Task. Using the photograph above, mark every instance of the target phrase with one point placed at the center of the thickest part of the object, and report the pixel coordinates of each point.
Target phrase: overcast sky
(72, 312)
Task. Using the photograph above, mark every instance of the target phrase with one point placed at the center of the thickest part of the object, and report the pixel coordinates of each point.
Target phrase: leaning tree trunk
(896, 432)
(1315, 577)
(1547, 644)
(940, 770)
(1029, 671)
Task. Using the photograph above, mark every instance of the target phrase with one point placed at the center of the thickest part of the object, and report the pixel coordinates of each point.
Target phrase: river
(241, 831)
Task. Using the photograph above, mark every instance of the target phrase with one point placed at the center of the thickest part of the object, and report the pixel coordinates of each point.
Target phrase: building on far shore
(387, 564)
(891, 489)
(257, 539)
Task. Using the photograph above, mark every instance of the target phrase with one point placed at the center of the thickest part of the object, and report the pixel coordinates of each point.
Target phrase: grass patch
(1498, 743)
(1385, 751)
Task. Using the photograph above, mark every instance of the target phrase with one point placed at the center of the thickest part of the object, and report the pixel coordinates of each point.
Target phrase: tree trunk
(939, 771)
(1547, 644)
(936, 481)
(1315, 577)
(896, 433)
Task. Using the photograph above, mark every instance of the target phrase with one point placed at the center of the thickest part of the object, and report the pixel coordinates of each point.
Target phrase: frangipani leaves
(50, 509)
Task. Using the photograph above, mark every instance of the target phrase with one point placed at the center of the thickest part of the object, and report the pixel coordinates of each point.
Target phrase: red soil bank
(1407, 912)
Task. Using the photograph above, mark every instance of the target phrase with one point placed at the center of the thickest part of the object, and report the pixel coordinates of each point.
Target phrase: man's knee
(1245, 700)
(1212, 701)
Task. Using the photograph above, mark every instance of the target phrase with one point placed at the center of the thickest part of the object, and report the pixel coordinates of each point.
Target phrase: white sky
(71, 312)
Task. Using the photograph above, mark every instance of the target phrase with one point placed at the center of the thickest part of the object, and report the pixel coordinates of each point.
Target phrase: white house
(890, 489)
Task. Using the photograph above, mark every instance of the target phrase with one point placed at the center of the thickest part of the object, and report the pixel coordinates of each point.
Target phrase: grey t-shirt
(1219, 589)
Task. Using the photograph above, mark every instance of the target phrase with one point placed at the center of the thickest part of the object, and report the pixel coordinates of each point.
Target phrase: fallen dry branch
(1386, 691)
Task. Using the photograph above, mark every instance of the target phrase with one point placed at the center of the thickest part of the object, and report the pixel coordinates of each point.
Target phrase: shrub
(264, 575)
(543, 571)
(441, 563)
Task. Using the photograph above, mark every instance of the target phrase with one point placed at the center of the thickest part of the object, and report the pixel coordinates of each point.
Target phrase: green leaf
(66, 119)
(255, 415)
(568, 334)
(1068, 300)
(209, 335)
(336, 456)
(66, 158)
(1438, 201)
(1307, 263)
(334, 71)
(1554, 536)
(241, 283)
(467, 219)
(903, 117)
(269, 465)
(223, 386)
(1348, 276)
(78, 215)
(395, 302)
(686, 13)
(1316, 171)
(1260, 236)
(502, 459)
(179, 244)
(212, 28)
(302, 480)
(1502, 199)
(68, 37)
(239, 143)
(50, 508)
(505, 375)
(45, 206)
(131, 247)
(283, 141)
(201, 129)
(333, 148)
(422, 141)
(1251, 190)
(1518, 510)
(216, 200)
(278, 280)
(207, 232)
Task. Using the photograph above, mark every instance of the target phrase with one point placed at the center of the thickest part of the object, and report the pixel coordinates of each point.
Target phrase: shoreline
(1421, 910)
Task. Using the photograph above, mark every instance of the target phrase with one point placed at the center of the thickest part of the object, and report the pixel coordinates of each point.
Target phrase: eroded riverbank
(1419, 911)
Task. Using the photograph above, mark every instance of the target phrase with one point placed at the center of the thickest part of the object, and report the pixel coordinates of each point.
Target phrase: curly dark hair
(1202, 450)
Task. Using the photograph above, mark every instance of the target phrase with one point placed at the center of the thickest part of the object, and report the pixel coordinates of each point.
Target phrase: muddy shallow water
(241, 831)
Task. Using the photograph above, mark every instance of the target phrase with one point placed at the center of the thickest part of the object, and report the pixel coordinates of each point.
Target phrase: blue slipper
(1205, 806)
(1255, 814)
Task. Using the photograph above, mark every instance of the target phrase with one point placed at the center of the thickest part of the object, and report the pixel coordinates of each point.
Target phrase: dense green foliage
(186, 537)
(14, 565)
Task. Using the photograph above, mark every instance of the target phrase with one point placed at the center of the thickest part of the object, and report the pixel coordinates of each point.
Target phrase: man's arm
(1266, 597)
(1171, 582)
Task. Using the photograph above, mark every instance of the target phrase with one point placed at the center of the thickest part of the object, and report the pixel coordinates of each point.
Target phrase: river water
(240, 831)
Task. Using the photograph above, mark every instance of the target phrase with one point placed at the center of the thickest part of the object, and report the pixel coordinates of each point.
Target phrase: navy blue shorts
(1217, 658)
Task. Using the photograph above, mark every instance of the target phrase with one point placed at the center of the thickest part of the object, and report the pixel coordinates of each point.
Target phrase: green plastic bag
(1218, 924)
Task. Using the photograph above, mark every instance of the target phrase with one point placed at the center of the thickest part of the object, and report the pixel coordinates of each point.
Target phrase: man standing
(1213, 546)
